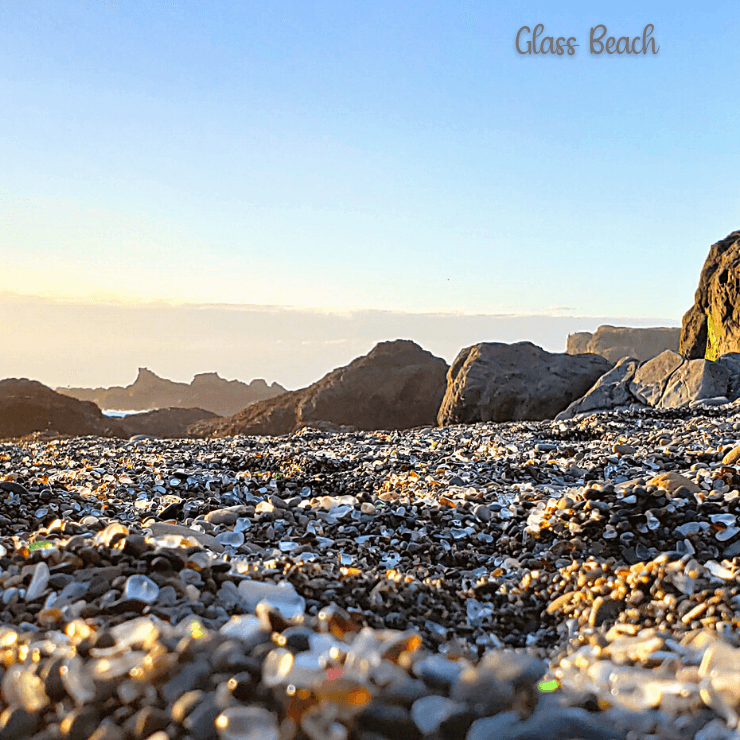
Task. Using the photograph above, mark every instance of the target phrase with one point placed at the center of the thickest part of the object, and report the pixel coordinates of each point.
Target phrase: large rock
(668, 381)
(206, 391)
(694, 381)
(398, 385)
(510, 382)
(652, 377)
(615, 342)
(711, 327)
(610, 391)
(27, 406)
(168, 423)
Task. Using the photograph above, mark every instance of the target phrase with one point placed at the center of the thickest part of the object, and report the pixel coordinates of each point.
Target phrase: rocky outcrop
(711, 327)
(652, 376)
(611, 390)
(207, 391)
(511, 382)
(27, 406)
(615, 342)
(167, 423)
(578, 343)
(668, 381)
(398, 385)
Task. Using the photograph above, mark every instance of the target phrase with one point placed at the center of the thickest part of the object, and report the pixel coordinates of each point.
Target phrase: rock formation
(711, 327)
(166, 423)
(668, 381)
(511, 382)
(398, 385)
(615, 342)
(27, 406)
(207, 391)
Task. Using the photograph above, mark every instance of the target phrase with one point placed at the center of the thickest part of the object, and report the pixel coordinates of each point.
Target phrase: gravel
(578, 579)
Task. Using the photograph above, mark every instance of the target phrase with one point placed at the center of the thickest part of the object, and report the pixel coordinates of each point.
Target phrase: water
(118, 414)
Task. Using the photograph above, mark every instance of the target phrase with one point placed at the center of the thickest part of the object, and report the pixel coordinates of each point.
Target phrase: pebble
(521, 580)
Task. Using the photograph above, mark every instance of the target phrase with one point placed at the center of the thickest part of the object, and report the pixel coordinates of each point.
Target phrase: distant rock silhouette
(27, 406)
(398, 385)
(616, 342)
(207, 391)
(492, 381)
(711, 327)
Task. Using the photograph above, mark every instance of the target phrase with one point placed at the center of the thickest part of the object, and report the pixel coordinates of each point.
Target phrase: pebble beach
(574, 579)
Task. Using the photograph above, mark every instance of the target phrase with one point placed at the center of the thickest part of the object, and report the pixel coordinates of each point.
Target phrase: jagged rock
(668, 381)
(492, 381)
(611, 390)
(615, 342)
(652, 377)
(711, 327)
(27, 406)
(166, 423)
(694, 380)
(398, 385)
(207, 391)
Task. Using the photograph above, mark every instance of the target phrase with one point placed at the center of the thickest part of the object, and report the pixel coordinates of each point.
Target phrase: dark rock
(27, 406)
(512, 382)
(392, 721)
(80, 723)
(398, 385)
(166, 423)
(200, 722)
(16, 723)
(146, 722)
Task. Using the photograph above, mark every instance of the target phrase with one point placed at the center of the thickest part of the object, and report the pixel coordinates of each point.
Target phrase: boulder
(652, 377)
(27, 406)
(668, 381)
(615, 342)
(207, 391)
(398, 385)
(492, 381)
(711, 327)
(695, 381)
(170, 423)
(610, 391)
(731, 362)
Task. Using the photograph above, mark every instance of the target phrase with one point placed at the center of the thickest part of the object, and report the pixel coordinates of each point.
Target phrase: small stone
(141, 588)
(247, 723)
(482, 513)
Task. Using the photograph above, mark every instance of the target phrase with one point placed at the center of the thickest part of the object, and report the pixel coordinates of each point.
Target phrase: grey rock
(652, 377)
(610, 391)
(731, 361)
(493, 381)
(549, 721)
(694, 380)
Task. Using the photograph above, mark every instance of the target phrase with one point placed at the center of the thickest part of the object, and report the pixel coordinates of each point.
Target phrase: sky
(351, 159)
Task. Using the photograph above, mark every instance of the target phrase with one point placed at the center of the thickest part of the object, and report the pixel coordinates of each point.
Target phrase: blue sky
(386, 155)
